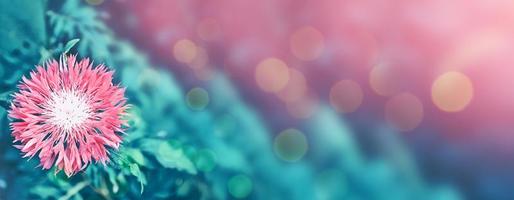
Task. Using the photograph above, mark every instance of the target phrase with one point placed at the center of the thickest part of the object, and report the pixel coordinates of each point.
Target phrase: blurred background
(295, 99)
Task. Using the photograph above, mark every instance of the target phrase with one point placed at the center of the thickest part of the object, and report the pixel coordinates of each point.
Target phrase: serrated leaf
(168, 156)
(174, 158)
(136, 156)
(70, 44)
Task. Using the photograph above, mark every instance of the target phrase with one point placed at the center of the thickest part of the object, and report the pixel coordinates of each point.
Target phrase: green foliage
(135, 171)
(70, 44)
(205, 145)
(75, 25)
(168, 156)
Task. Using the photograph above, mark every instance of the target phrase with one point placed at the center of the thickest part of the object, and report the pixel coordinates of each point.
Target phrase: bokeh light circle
(307, 43)
(272, 74)
(205, 160)
(383, 80)
(240, 186)
(295, 88)
(346, 96)
(197, 98)
(290, 145)
(185, 51)
(452, 91)
(404, 111)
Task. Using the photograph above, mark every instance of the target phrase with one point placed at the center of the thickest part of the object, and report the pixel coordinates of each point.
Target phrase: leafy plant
(171, 151)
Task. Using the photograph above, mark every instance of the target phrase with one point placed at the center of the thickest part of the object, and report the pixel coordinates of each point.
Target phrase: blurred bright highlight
(185, 51)
(452, 91)
(272, 75)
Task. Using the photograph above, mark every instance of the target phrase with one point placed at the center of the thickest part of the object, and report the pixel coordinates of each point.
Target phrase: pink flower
(70, 112)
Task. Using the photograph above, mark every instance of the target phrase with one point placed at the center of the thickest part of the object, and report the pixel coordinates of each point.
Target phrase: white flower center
(68, 110)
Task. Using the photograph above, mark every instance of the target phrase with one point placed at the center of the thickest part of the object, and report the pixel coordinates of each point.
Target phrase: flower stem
(74, 190)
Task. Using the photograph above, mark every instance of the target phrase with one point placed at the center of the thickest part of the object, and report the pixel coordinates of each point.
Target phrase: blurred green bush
(202, 144)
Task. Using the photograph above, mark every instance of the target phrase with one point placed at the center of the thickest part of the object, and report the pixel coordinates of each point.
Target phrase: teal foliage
(171, 151)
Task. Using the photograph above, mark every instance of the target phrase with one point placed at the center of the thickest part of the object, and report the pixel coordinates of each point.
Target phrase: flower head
(70, 112)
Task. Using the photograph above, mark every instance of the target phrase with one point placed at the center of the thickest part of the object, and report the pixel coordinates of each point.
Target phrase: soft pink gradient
(70, 112)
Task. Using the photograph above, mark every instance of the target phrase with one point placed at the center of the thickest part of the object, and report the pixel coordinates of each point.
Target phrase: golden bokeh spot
(452, 91)
(307, 43)
(185, 51)
(295, 88)
(404, 111)
(272, 74)
(346, 96)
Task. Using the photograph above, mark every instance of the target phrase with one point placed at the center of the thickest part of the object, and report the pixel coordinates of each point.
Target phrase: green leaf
(149, 145)
(134, 170)
(136, 156)
(74, 190)
(45, 54)
(169, 156)
(174, 158)
(112, 179)
(70, 44)
(59, 179)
